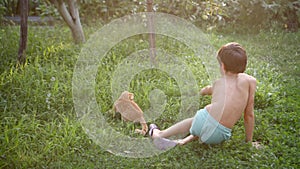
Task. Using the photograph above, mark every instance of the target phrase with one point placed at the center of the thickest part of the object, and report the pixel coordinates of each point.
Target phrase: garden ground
(39, 128)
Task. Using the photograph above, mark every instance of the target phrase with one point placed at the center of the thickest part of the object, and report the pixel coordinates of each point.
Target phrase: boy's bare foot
(163, 143)
(180, 142)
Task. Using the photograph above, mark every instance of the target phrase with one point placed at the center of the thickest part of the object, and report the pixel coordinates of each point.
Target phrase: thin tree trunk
(23, 31)
(77, 28)
(151, 29)
(70, 15)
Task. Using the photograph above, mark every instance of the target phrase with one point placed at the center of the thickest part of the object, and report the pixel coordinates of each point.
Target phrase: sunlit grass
(39, 128)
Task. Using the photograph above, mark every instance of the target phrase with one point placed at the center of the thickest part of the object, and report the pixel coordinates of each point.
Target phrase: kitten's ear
(130, 96)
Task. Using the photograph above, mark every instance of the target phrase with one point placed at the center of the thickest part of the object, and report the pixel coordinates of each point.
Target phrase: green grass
(39, 128)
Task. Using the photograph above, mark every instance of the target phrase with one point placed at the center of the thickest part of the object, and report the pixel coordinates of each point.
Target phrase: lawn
(40, 129)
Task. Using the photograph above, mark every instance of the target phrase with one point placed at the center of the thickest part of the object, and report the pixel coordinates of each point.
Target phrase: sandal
(161, 143)
(151, 128)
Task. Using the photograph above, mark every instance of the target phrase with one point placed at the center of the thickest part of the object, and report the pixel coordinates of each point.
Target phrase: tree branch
(62, 9)
(72, 9)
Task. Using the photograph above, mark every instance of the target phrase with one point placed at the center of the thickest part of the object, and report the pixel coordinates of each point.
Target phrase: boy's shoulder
(242, 76)
(243, 80)
(247, 77)
(248, 80)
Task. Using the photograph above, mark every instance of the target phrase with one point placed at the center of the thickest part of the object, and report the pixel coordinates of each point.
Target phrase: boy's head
(233, 56)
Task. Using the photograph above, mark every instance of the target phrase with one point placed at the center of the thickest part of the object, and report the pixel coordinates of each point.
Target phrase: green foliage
(244, 15)
(204, 13)
(46, 9)
(286, 12)
(9, 7)
(38, 123)
(241, 15)
(2, 11)
(235, 15)
(260, 14)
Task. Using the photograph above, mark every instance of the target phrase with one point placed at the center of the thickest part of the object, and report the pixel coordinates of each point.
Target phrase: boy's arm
(249, 118)
(206, 90)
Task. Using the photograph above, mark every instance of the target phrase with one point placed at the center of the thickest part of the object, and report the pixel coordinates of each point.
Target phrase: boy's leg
(181, 127)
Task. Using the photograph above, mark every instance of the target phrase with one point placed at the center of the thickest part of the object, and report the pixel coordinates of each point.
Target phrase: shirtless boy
(232, 95)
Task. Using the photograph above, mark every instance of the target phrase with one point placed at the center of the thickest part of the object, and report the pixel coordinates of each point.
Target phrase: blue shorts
(209, 130)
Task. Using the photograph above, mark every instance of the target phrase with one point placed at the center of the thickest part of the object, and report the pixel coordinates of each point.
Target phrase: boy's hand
(202, 91)
(206, 90)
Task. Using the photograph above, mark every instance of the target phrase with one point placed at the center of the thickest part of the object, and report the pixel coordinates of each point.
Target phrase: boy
(232, 95)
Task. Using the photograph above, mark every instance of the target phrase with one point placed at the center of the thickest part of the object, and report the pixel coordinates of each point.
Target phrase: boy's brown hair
(233, 56)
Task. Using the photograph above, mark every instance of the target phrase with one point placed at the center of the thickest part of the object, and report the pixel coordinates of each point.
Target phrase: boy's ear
(223, 67)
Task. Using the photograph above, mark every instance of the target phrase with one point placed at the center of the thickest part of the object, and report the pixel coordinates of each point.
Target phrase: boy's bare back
(232, 95)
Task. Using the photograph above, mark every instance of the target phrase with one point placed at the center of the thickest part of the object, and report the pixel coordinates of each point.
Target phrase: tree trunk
(151, 30)
(23, 31)
(70, 14)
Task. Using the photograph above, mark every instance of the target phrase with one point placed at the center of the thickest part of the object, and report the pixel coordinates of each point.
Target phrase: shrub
(260, 14)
